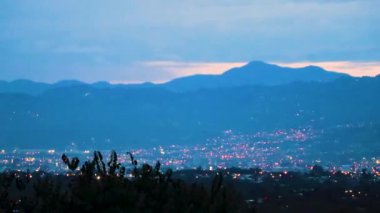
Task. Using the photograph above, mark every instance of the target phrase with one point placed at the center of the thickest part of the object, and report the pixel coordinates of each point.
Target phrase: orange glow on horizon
(177, 69)
(357, 69)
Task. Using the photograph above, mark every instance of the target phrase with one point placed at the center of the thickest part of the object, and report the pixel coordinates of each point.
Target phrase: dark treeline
(287, 191)
(103, 187)
(111, 187)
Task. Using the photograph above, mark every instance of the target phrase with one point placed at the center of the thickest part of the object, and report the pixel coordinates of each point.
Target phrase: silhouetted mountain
(67, 83)
(126, 116)
(34, 88)
(254, 73)
(101, 84)
(23, 86)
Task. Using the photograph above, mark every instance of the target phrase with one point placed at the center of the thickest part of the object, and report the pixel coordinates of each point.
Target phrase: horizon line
(180, 69)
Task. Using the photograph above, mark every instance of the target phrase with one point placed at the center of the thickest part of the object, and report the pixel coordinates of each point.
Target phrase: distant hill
(95, 117)
(255, 97)
(254, 73)
(23, 86)
(34, 88)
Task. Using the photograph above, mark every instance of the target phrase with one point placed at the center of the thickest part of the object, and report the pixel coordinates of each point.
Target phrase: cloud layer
(90, 40)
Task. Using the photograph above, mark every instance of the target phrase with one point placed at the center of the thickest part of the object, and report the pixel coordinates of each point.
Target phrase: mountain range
(253, 73)
(252, 98)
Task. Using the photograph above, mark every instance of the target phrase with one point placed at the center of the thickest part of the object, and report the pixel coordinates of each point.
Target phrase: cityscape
(280, 150)
(190, 106)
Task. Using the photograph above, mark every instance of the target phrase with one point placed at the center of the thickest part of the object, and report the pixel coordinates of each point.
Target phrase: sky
(129, 41)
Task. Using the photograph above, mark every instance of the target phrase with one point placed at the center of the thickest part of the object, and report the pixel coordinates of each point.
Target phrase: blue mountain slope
(253, 73)
(23, 86)
(125, 117)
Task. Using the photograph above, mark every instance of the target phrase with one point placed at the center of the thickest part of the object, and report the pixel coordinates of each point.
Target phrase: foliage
(73, 164)
(100, 187)
(149, 189)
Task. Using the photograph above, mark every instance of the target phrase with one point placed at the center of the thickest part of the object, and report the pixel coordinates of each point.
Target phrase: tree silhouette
(73, 164)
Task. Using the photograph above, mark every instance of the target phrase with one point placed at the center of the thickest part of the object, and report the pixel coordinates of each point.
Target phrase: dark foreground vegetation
(314, 191)
(100, 187)
(111, 187)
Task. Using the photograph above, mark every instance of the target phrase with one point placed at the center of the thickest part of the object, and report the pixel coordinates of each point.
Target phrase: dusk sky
(145, 40)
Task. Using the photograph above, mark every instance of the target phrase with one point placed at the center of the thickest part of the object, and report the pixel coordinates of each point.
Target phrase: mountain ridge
(156, 116)
(253, 73)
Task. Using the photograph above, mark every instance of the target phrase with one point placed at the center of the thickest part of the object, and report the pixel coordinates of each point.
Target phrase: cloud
(78, 49)
(204, 30)
(53, 39)
(180, 69)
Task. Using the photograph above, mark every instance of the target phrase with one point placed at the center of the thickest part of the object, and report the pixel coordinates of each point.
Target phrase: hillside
(251, 74)
(255, 73)
(125, 117)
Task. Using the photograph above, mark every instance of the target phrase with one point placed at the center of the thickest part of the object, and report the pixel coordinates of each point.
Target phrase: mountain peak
(68, 83)
(313, 67)
(258, 63)
(253, 73)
